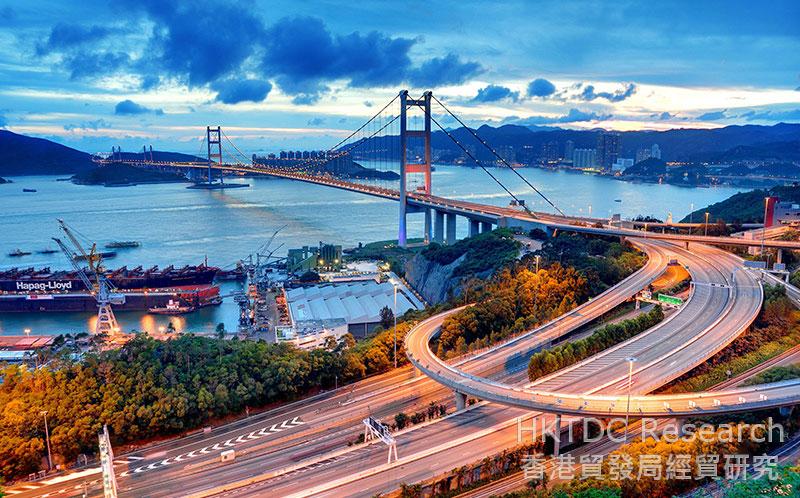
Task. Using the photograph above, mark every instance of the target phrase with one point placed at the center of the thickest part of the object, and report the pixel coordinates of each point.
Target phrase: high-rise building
(584, 158)
(549, 151)
(569, 149)
(655, 151)
(608, 149)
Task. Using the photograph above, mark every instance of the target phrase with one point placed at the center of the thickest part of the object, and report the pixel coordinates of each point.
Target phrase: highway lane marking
(232, 442)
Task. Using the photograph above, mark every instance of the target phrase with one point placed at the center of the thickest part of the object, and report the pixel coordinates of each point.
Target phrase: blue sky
(302, 74)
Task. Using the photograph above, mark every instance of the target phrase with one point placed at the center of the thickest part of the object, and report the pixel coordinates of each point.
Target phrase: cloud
(233, 91)
(665, 116)
(64, 36)
(88, 125)
(448, 70)
(495, 93)
(572, 116)
(772, 115)
(131, 108)
(541, 87)
(86, 64)
(316, 122)
(712, 116)
(200, 42)
(306, 98)
(367, 103)
(589, 93)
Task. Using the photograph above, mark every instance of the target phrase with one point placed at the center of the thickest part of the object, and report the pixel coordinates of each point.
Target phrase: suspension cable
(472, 132)
(464, 149)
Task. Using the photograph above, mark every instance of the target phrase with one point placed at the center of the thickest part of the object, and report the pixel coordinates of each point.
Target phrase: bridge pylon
(214, 142)
(407, 167)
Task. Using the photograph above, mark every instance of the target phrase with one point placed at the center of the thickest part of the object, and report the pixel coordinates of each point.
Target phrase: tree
(387, 317)
(220, 330)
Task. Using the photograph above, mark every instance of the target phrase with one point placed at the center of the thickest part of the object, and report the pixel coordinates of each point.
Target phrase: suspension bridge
(390, 156)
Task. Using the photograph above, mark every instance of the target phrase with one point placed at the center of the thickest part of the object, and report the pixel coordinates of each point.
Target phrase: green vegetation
(548, 361)
(775, 374)
(776, 329)
(745, 207)
(487, 251)
(385, 250)
(123, 174)
(151, 388)
(786, 483)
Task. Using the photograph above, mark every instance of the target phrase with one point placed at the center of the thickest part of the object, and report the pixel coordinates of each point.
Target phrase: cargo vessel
(35, 290)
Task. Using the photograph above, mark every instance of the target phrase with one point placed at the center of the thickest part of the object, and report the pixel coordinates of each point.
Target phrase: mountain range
(24, 155)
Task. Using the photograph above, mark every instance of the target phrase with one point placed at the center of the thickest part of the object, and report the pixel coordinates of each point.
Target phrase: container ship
(42, 290)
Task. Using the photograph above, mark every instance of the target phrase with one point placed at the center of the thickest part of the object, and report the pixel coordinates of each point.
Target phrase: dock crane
(101, 288)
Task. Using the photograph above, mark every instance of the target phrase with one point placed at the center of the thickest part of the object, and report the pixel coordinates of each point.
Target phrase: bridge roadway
(725, 308)
(481, 212)
(333, 419)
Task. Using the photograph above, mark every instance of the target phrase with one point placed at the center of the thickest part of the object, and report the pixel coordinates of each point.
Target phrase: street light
(27, 332)
(394, 284)
(705, 233)
(43, 413)
(538, 257)
(631, 360)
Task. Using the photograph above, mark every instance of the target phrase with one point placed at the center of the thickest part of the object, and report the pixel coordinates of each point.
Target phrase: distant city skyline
(287, 75)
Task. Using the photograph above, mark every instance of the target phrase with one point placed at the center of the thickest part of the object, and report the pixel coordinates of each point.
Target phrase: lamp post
(705, 227)
(537, 263)
(47, 438)
(27, 332)
(631, 360)
(394, 312)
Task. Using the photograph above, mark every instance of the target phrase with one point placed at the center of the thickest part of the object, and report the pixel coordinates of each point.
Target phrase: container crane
(101, 288)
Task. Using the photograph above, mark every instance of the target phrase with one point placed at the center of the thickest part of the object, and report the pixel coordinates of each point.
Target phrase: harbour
(178, 226)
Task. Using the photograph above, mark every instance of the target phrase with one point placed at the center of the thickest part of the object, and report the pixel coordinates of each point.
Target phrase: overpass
(588, 389)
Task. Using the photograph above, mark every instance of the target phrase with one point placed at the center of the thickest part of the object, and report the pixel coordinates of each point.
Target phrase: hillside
(22, 155)
(122, 174)
(745, 207)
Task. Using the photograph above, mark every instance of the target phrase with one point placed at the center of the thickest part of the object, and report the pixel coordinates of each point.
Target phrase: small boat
(123, 244)
(29, 190)
(47, 250)
(19, 252)
(104, 255)
(171, 308)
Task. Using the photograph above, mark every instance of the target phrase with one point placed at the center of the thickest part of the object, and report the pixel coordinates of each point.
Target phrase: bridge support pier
(428, 228)
(451, 228)
(486, 227)
(474, 227)
(779, 257)
(461, 400)
(438, 226)
(686, 244)
(557, 435)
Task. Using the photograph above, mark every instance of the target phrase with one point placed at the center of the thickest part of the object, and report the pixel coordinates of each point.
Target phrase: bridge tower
(406, 167)
(214, 142)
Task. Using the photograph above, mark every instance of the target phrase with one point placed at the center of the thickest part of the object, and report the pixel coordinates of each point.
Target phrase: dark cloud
(306, 98)
(448, 70)
(665, 116)
(495, 93)
(88, 125)
(200, 42)
(797, 89)
(367, 103)
(712, 116)
(64, 36)
(589, 93)
(541, 87)
(772, 115)
(131, 108)
(86, 65)
(149, 82)
(316, 122)
(7, 15)
(234, 91)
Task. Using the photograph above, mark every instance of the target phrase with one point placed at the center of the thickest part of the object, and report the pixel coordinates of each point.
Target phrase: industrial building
(327, 257)
(358, 303)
